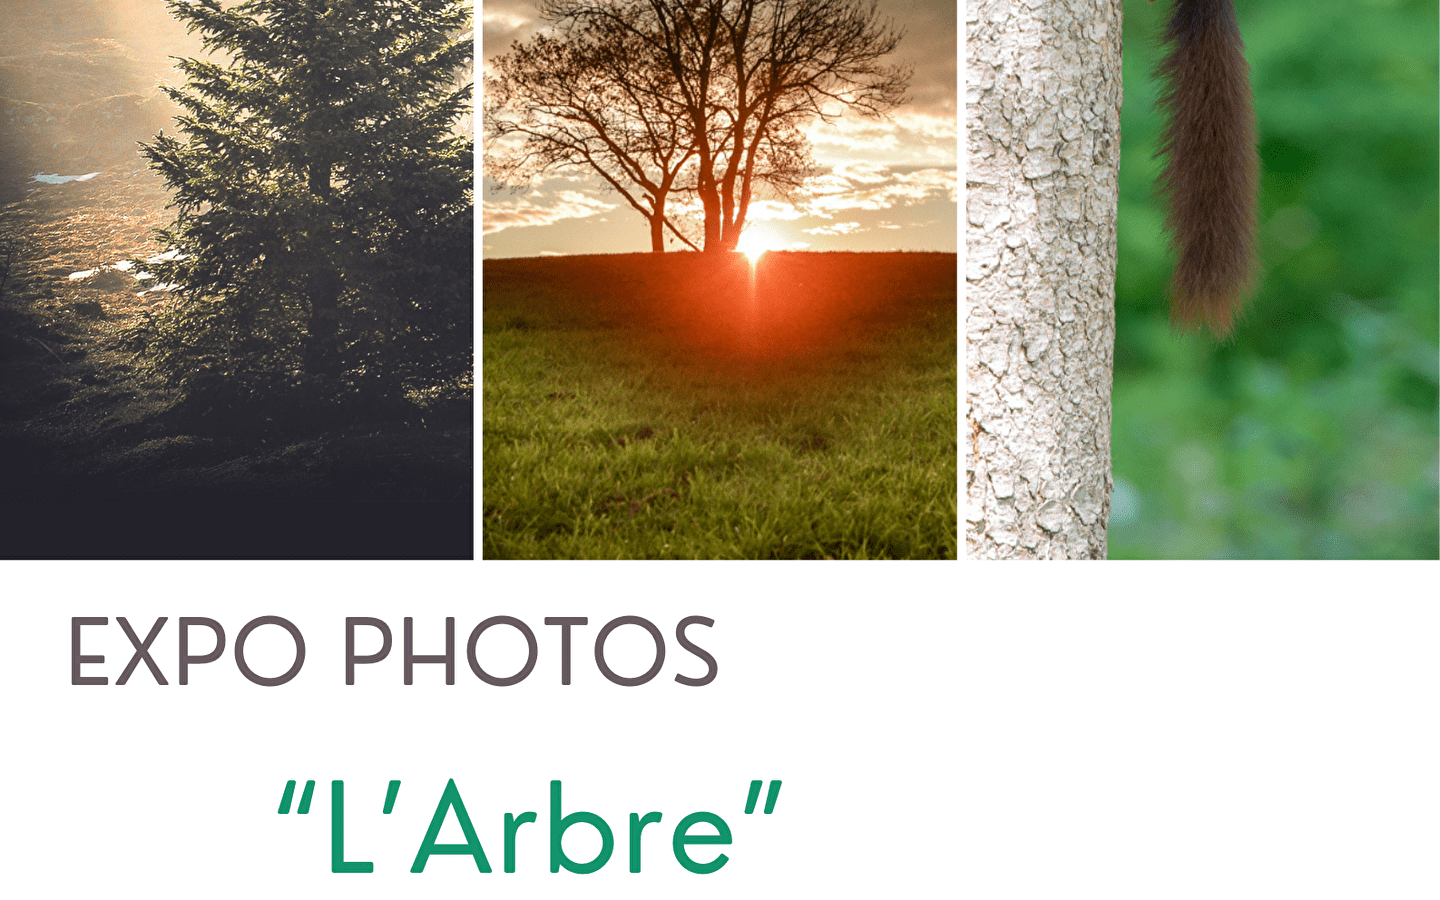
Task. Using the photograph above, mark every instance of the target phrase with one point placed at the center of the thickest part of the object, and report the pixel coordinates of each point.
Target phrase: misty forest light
(259, 216)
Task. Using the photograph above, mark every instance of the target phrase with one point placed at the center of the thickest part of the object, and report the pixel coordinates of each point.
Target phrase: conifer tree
(324, 193)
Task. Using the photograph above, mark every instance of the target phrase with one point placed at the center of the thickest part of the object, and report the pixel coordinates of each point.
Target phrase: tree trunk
(729, 229)
(1042, 112)
(657, 231)
(710, 203)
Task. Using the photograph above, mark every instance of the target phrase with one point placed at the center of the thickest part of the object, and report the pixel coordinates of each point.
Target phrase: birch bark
(1042, 123)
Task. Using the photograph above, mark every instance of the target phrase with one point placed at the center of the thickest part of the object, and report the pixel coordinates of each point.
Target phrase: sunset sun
(755, 241)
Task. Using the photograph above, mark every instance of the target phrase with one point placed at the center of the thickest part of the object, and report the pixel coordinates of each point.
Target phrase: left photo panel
(237, 284)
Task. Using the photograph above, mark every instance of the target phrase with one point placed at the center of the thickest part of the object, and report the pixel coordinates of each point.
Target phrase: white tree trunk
(1042, 123)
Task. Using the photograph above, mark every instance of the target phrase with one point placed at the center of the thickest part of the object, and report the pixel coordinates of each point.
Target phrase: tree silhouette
(591, 101)
(734, 80)
(325, 215)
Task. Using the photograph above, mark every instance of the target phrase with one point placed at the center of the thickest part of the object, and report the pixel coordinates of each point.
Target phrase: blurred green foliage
(1313, 433)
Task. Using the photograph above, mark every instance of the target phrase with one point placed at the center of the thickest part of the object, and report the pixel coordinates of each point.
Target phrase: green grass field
(676, 406)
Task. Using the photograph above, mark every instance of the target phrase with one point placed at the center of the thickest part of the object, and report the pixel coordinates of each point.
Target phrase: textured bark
(1042, 108)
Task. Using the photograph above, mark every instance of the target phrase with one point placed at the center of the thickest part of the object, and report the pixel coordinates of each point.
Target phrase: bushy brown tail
(1211, 169)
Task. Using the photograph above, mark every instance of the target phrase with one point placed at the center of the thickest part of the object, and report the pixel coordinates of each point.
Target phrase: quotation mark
(770, 797)
(289, 795)
(304, 798)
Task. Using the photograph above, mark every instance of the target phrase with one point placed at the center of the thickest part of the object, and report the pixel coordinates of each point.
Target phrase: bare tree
(747, 71)
(740, 77)
(594, 101)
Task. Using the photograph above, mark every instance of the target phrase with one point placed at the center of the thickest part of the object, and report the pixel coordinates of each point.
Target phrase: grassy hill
(680, 406)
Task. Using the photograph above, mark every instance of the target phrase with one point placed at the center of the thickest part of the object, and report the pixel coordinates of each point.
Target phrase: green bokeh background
(1314, 432)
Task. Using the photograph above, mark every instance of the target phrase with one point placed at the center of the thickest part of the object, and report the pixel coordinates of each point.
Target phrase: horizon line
(554, 254)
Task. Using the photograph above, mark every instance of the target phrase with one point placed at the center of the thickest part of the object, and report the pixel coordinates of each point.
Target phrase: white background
(1201, 730)
(1117, 731)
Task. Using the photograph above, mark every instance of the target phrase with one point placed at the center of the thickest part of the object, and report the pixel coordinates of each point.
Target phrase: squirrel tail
(1211, 167)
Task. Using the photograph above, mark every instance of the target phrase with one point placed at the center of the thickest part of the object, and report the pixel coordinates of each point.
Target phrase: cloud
(509, 13)
(906, 137)
(853, 133)
(840, 228)
(863, 172)
(505, 22)
(828, 184)
(525, 213)
(929, 125)
(867, 186)
(769, 209)
(923, 182)
(852, 186)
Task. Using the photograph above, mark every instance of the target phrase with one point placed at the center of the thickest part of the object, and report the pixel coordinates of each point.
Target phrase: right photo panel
(1201, 323)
